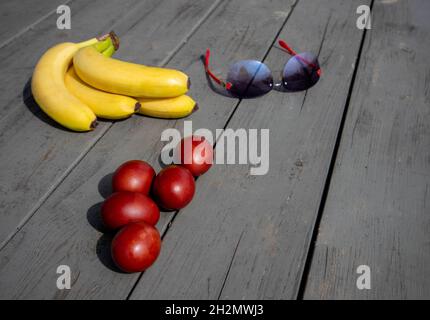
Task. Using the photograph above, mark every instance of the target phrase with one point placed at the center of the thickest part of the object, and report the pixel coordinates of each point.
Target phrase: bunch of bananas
(74, 83)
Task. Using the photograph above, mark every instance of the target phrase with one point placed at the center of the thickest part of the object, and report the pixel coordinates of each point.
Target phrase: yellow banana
(50, 92)
(170, 108)
(127, 78)
(103, 104)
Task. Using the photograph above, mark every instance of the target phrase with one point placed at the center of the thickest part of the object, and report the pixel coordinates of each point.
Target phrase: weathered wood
(377, 210)
(247, 237)
(17, 17)
(37, 248)
(36, 155)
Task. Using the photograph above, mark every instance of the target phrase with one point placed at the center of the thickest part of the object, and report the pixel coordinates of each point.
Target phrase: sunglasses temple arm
(285, 46)
(227, 85)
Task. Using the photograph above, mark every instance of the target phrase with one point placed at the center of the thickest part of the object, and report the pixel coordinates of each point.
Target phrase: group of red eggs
(139, 193)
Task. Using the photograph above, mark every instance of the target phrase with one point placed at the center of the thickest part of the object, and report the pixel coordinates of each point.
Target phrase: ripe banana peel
(120, 77)
(170, 108)
(103, 104)
(49, 89)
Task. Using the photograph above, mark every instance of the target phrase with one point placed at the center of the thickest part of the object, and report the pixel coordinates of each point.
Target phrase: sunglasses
(252, 78)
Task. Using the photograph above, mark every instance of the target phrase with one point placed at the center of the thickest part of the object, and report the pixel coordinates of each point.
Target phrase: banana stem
(87, 43)
(115, 39)
(103, 45)
(109, 51)
(110, 40)
(105, 41)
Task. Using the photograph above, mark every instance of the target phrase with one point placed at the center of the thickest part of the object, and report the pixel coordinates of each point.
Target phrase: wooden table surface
(349, 178)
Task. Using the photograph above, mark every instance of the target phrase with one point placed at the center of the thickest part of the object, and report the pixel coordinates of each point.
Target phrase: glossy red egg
(174, 187)
(123, 208)
(136, 247)
(133, 176)
(196, 154)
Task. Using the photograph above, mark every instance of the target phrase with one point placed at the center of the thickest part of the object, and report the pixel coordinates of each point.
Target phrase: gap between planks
(314, 237)
(67, 172)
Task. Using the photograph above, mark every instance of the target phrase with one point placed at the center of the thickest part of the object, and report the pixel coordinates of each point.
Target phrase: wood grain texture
(17, 17)
(377, 210)
(247, 237)
(65, 230)
(36, 154)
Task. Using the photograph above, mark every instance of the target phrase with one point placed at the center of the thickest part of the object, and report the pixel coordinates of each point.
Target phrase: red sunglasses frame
(229, 85)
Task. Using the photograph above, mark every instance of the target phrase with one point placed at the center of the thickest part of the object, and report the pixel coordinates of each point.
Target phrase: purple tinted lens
(301, 72)
(250, 78)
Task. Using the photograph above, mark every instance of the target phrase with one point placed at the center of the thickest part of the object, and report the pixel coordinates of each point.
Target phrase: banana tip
(196, 107)
(137, 107)
(94, 124)
(189, 83)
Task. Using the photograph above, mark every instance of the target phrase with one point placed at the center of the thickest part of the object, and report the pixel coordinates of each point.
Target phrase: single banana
(127, 78)
(103, 104)
(170, 108)
(50, 92)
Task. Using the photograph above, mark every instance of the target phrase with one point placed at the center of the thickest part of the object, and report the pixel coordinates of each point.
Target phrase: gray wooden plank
(17, 17)
(59, 232)
(37, 155)
(377, 210)
(247, 237)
